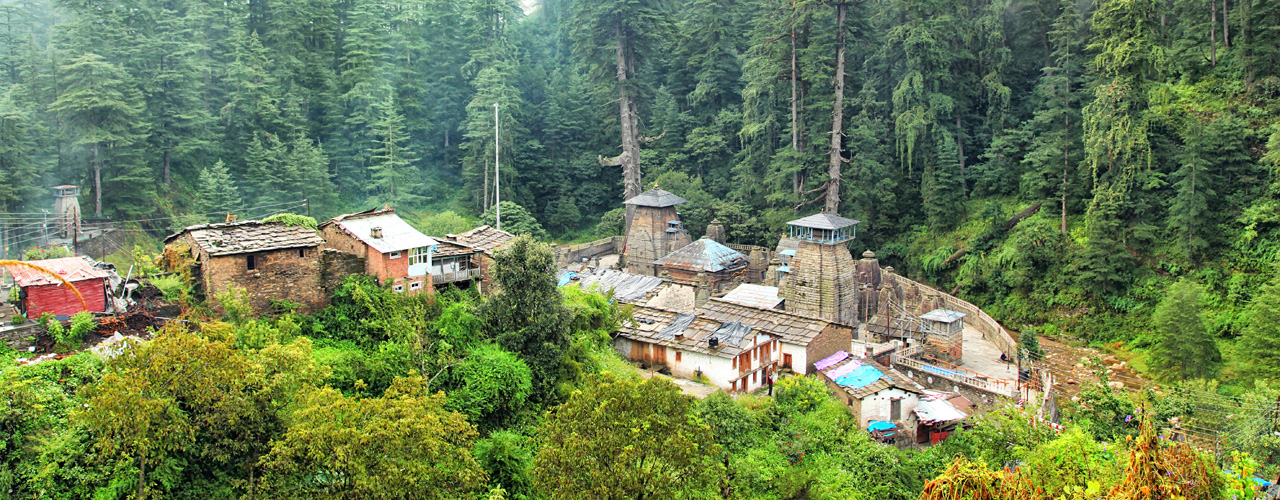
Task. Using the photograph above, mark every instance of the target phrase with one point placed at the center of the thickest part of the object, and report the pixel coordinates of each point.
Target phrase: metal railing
(995, 386)
(454, 276)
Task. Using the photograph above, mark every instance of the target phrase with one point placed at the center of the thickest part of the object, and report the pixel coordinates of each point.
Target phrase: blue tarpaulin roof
(566, 278)
(862, 377)
(880, 425)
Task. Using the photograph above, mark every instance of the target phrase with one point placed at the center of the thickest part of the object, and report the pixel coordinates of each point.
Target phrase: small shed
(937, 417)
(944, 321)
(39, 293)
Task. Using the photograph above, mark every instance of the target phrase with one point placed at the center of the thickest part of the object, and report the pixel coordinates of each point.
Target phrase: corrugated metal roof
(823, 221)
(704, 255)
(72, 269)
(655, 198)
(249, 236)
(943, 315)
(397, 235)
(937, 411)
(752, 295)
(626, 287)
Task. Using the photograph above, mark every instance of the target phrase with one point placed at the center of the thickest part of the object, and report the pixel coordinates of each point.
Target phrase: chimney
(376, 232)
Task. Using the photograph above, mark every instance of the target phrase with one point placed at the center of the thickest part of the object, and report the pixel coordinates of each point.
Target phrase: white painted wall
(799, 361)
(877, 406)
(720, 371)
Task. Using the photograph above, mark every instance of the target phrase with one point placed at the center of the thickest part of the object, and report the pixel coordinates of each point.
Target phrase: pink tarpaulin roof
(831, 360)
(844, 369)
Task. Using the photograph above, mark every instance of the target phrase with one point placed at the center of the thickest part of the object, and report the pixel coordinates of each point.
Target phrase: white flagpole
(497, 173)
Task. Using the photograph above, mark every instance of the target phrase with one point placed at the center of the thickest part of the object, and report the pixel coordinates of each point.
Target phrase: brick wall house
(271, 261)
(394, 252)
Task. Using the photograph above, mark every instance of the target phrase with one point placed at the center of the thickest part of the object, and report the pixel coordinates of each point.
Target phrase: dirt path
(700, 391)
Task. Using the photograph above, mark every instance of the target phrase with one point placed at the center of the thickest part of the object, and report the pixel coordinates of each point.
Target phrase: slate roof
(659, 326)
(484, 238)
(397, 235)
(72, 269)
(823, 221)
(249, 236)
(704, 255)
(626, 287)
(655, 198)
(790, 328)
(753, 295)
(452, 249)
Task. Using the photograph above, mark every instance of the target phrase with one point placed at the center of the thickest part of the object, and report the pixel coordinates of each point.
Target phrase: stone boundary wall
(335, 266)
(575, 253)
(977, 318)
(16, 336)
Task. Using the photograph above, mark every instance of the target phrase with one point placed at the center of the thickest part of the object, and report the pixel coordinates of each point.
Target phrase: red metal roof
(72, 269)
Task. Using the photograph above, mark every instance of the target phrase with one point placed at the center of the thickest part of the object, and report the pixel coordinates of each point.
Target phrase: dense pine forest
(1102, 172)
(1059, 163)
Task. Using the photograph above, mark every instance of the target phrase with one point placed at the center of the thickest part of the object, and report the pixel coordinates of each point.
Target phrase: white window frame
(420, 255)
(394, 255)
(417, 285)
(398, 288)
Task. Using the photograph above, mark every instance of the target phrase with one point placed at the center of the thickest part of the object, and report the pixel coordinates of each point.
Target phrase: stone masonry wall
(279, 274)
(822, 283)
(336, 266)
(569, 254)
(834, 338)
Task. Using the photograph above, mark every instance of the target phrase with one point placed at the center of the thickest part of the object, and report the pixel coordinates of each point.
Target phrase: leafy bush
(799, 394)
(490, 386)
(47, 252)
(612, 223)
(443, 223)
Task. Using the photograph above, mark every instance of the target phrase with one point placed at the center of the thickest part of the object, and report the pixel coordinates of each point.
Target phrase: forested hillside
(1057, 162)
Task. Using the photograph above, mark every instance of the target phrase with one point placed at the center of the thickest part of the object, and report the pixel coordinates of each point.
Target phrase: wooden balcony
(455, 276)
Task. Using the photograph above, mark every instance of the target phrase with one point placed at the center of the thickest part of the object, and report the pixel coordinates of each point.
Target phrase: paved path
(982, 356)
(700, 391)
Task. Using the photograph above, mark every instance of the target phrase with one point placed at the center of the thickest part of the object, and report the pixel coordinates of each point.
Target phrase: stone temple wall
(822, 283)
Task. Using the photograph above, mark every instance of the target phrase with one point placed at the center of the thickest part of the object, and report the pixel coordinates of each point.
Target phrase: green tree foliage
(390, 160)
(644, 436)
(490, 386)
(1184, 348)
(1029, 342)
(528, 316)
(403, 444)
(515, 220)
(1260, 342)
(217, 192)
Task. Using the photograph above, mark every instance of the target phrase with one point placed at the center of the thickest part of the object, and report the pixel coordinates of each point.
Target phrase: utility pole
(497, 172)
(308, 202)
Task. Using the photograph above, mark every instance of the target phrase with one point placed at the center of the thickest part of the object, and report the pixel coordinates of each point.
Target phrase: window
(302, 252)
(250, 262)
(677, 356)
(394, 255)
(398, 288)
(895, 409)
(419, 255)
(417, 285)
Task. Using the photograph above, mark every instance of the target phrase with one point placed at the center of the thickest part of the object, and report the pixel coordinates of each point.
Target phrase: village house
(394, 252)
(802, 340)
(871, 391)
(272, 261)
(729, 354)
(485, 240)
(39, 293)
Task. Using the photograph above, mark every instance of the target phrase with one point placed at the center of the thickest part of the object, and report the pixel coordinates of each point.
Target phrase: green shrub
(799, 394)
(293, 220)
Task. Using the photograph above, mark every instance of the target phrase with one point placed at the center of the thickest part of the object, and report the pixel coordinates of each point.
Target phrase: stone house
(271, 261)
(394, 252)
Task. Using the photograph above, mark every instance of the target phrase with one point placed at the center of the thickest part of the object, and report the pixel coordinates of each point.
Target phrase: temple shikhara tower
(655, 231)
(821, 281)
